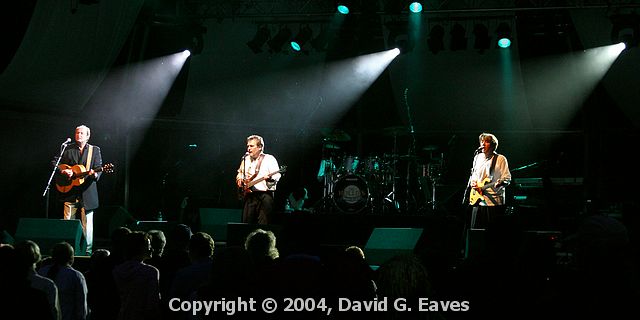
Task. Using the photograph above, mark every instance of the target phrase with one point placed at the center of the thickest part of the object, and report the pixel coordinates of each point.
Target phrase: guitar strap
(493, 165)
(88, 165)
(257, 167)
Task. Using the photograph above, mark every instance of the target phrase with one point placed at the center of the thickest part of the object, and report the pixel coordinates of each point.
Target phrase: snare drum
(351, 194)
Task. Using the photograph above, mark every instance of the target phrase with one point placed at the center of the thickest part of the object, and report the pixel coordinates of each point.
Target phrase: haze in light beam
(558, 86)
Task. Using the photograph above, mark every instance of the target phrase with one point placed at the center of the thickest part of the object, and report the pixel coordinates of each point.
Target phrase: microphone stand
(412, 148)
(53, 172)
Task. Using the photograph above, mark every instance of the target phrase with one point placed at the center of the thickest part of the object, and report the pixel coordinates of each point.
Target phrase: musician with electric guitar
(79, 171)
(486, 187)
(256, 179)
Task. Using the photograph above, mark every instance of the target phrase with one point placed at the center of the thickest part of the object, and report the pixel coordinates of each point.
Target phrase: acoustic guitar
(247, 184)
(65, 184)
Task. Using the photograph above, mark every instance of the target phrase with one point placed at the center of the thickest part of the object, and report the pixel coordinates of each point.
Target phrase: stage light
(482, 39)
(303, 36)
(262, 35)
(504, 35)
(399, 38)
(415, 7)
(458, 39)
(436, 39)
(625, 28)
(283, 36)
(343, 9)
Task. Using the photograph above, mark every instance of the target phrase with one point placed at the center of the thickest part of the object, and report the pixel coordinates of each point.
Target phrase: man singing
(82, 199)
(257, 177)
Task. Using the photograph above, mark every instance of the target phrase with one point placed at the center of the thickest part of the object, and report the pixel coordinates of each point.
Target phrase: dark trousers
(482, 216)
(258, 206)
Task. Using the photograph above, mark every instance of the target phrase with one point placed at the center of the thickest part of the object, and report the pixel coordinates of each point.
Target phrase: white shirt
(493, 196)
(269, 165)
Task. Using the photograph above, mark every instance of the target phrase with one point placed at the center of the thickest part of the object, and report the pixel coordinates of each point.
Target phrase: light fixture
(282, 37)
(398, 37)
(504, 35)
(415, 7)
(262, 35)
(303, 36)
(625, 28)
(344, 6)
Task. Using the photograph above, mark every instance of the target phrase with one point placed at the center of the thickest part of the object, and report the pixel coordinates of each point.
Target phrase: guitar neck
(256, 181)
(81, 175)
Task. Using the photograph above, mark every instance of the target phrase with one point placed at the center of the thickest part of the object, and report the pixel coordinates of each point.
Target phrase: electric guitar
(475, 195)
(247, 184)
(64, 184)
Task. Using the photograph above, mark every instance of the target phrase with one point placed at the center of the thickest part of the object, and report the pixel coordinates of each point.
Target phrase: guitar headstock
(107, 168)
(283, 169)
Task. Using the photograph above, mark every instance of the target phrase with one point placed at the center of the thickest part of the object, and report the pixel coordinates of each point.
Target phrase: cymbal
(335, 135)
(401, 156)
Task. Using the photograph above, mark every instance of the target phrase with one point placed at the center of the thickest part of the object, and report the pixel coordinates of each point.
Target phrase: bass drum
(351, 194)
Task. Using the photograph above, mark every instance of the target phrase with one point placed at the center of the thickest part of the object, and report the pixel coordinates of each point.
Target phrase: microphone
(245, 155)
(479, 149)
(67, 141)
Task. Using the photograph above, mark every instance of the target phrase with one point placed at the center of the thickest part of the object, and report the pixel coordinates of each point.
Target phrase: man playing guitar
(257, 165)
(489, 177)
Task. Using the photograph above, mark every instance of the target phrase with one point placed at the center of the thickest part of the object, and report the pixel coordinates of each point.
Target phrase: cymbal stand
(391, 197)
(435, 173)
(410, 160)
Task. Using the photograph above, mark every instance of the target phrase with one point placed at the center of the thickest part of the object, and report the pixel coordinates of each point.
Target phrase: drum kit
(387, 183)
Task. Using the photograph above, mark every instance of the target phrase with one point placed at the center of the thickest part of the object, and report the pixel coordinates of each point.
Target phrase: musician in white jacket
(489, 177)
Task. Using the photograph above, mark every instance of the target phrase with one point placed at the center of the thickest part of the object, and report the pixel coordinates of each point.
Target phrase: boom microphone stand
(63, 147)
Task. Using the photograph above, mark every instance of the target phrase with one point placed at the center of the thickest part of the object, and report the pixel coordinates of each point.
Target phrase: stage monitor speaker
(47, 232)
(238, 232)
(214, 221)
(385, 243)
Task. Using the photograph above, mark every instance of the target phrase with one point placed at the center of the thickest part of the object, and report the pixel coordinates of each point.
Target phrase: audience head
(62, 254)
(262, 244)
(28, 253)
(138, 246)
(354, 251)
(201, 246)
(180, 236)
(158, 241)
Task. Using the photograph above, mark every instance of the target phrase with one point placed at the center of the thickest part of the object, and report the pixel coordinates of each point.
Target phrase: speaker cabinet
(385, 243)
(47, 232)
(214, 221)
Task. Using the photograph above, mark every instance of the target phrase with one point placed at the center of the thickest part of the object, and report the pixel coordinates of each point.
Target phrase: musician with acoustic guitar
(489, 177)
(79, 170)
(256, 179)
